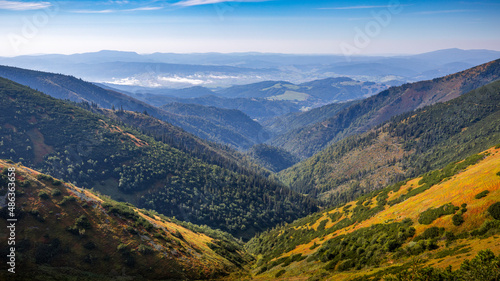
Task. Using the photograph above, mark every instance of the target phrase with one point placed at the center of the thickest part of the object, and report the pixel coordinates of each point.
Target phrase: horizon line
(248, 52)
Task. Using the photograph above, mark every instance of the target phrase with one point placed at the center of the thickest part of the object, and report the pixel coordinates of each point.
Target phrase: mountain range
(215, 69)
(68, 87)
(360, 117)
(244, 182)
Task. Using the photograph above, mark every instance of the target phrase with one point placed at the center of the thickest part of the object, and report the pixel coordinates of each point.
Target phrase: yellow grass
(457, 190)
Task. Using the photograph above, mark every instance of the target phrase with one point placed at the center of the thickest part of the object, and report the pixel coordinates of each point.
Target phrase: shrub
(83, 222)
(66, 199)
(482, 194)
(494, 210)
(43, 177)
(122, 248)
(457, 219)
(431, 214)
(346, 265)
(432, 232)
(56, 192)
(43, 195)
(131, 230)
(145, 249)
(279, 273)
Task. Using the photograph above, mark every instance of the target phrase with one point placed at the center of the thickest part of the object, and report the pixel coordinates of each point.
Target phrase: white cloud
(364, 7)
(442, 12)
(23, 6)
(144, 9)
(93, 11)
(354, 7)
(108, 11)
(188, 3)
(177, 79)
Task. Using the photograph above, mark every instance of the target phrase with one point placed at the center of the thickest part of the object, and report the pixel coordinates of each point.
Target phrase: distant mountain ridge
(217, 69)
(377, 109)
(68, 87)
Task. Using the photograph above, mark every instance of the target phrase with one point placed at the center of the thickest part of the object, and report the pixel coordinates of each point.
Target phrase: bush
(131, 230)
(457, 219)
(43, 195)
(279, 273)
(482, 194)
(431, 214)
(346, 265)
(66, 199)
(122, 248)
(432, 232)
(494, 210)
(83, 222)
(43, 177)
(56, 192)
(146, 250)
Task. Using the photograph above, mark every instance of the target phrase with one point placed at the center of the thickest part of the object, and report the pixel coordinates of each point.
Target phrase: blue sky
(278, 26)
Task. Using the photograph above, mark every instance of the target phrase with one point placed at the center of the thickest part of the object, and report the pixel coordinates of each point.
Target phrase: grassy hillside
(67, 233)
(240, 135)
(437, 220)
(362, 116)
(317, 91)
(408, 145)
(92, 151)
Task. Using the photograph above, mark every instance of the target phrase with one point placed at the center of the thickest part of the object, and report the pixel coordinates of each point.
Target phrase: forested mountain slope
(362, 116)
(408, 145)
(296, 120)
(209, 152)
(272, 158)
(92, 151)
(67, 233)
(230, 120)
(310, 93)
(257, 108)
(420, 229)
(68, 87)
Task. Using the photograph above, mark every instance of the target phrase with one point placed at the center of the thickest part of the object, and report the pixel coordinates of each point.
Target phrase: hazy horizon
(251, 52)
(229, 26)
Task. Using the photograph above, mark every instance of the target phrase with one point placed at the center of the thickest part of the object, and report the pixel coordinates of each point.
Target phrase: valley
(330, 174)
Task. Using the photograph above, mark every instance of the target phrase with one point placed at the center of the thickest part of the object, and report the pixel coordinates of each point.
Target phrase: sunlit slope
(64, 231)
(441, 219)
(407, 146)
